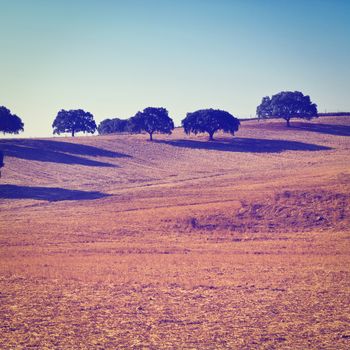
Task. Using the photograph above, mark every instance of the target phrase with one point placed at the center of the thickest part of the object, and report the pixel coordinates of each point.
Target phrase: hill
(114, 241)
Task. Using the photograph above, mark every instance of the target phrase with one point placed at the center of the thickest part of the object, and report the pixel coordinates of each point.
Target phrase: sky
(114, 58)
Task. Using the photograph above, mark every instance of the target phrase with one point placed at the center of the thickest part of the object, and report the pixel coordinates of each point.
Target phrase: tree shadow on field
(247, 145)
(57, 152)
(51, 194)
(331, 129)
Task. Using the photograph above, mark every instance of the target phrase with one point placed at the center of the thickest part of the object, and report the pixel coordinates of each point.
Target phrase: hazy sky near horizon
(113, 58)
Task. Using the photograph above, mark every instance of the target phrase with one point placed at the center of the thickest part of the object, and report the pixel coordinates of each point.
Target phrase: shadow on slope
(50, 194)
(247, 145)
(331, 129)
(57, 152)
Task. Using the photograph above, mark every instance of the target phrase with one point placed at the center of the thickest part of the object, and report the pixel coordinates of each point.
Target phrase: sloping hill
(263, 159)
(178, 242)
(112, 162)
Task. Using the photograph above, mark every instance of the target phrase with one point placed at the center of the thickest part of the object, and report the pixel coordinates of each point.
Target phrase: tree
(110, 126)
(264, 109)
(152, 120)
(10, 123)
(287, 105)
(74, 120)
(210, 121)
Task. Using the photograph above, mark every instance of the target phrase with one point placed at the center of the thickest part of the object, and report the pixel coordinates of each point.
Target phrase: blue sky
(113, 58)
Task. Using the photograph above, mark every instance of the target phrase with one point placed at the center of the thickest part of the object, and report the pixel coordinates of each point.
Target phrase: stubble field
(114, 242)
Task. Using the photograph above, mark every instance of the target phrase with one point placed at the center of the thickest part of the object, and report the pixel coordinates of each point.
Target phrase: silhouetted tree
(73, 121)
(110, 126)
(152, 120)
(287, 105)
(10, 123)
(210, 121)
(264, 109)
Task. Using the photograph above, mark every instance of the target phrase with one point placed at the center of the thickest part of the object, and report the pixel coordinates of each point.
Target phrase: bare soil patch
(117, 242)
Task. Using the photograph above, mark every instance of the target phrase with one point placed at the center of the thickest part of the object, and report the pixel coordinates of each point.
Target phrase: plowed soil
(115, 242)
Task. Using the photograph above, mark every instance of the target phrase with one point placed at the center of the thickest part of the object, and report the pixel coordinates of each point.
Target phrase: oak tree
(210, 121)
(152, 120)
(73, 121)
(110, 126)
(10, 123)
(287, 105)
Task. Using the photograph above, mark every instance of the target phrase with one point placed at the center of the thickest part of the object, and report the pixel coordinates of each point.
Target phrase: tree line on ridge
(286, 105)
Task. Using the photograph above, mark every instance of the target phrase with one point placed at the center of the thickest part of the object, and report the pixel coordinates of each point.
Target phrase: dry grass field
(114, 242)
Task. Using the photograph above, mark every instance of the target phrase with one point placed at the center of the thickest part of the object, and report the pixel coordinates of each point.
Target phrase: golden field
(115, 242)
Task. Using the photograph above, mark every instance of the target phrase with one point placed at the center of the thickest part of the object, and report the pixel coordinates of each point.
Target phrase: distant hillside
(112, 162)
(328, 114)
(334, 114)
